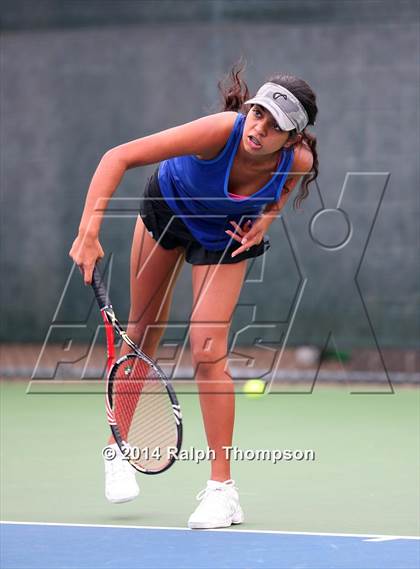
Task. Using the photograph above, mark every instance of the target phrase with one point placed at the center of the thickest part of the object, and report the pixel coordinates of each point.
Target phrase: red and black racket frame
(112, 325)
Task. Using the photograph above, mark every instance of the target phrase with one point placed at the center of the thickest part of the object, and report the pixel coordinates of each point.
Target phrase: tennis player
(221, 181)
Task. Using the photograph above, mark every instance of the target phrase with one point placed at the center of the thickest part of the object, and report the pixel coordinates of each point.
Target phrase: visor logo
(286, 104)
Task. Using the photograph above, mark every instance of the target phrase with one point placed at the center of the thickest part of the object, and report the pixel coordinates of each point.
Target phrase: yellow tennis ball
(254, 388)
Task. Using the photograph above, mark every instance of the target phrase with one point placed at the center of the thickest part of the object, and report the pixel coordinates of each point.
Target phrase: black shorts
(171, 232)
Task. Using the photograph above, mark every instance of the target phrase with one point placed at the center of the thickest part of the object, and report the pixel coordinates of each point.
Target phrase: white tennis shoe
(219, 506)
(120, 479)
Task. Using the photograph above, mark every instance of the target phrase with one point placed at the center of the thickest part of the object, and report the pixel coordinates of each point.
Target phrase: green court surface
(364, 479)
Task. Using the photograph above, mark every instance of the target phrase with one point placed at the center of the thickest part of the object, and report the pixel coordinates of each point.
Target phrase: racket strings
(128, 383)
(153, 428)
(144, 414)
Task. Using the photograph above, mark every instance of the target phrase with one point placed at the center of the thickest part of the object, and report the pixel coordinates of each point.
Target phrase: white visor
(287, 110)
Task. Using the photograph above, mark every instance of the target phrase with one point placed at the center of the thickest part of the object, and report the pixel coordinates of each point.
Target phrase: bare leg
(153, 273)
(216, 290)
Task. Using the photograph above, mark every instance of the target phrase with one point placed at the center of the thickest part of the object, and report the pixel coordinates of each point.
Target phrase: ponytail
(233, 89)
(311, 141)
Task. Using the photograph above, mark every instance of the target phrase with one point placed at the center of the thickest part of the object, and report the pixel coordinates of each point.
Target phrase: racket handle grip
(99, 289)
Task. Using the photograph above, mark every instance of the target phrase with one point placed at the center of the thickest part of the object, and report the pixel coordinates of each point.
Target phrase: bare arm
(202, 135)
(196, 137)
(302, 164)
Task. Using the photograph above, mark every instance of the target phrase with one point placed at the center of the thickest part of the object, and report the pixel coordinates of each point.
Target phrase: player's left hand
(248, 235)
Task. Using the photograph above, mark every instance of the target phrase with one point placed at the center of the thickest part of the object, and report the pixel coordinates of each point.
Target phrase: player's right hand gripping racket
(141, 406)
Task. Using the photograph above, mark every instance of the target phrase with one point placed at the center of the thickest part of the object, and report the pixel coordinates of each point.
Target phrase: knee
(208, 353)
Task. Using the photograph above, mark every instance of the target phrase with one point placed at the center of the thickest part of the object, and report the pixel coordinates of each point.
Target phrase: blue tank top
(197, 191)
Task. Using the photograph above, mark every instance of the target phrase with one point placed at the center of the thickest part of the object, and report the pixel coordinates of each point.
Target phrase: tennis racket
(141, 405)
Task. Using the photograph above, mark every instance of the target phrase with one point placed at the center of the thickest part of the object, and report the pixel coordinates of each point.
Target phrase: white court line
(383, 538)
(374, 537)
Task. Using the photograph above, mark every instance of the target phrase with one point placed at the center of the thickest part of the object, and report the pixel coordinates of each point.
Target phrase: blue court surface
(65, 546)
